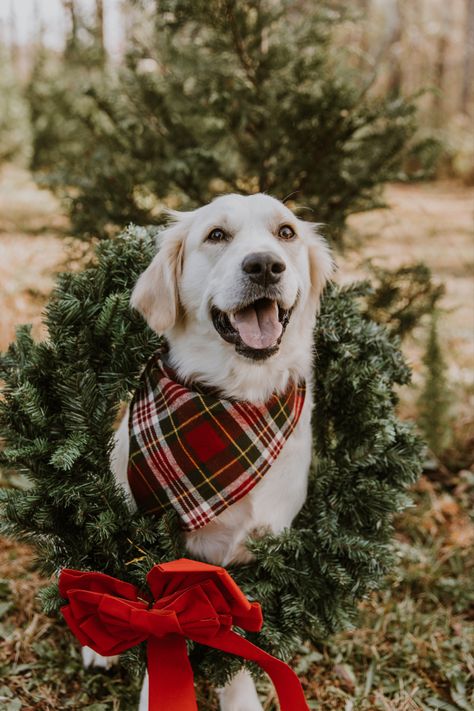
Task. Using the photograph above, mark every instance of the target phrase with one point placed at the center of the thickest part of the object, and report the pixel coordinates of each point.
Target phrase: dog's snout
(263, 267)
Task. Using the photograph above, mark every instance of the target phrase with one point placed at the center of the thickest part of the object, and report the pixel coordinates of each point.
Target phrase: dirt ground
(31, 248)
(431, 223)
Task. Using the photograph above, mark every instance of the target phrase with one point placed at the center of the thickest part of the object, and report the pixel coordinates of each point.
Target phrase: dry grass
(412, 649)
(431, 223)
(40, 663)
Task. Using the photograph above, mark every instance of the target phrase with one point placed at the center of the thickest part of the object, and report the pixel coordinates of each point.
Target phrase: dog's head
(239, 271)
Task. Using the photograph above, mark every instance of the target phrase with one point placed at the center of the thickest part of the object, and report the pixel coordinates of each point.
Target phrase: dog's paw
(92, 659)
(143, 705)
(241, 705)
(240, 694)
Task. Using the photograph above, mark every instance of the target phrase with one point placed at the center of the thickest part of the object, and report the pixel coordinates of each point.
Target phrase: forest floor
(413, 645)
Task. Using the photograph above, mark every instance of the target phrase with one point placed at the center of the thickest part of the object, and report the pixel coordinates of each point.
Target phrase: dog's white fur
(190, 274)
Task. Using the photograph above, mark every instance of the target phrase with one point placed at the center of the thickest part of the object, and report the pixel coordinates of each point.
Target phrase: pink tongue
(258, 326)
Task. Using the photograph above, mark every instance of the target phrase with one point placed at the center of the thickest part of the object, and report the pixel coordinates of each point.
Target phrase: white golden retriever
(235, 288)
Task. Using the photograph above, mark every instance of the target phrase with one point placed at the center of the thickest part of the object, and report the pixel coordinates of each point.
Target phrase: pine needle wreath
(61, 398)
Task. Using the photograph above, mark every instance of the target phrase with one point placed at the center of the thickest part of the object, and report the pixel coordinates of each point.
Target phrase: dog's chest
(271, 505)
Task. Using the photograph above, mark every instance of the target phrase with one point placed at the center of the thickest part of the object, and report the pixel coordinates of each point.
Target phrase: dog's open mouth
(255, 330)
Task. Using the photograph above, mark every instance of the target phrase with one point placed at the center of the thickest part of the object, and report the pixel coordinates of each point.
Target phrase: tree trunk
(71, 41)
(39, 25)
(12, 36)
(468, 64)
(440, 63)
(394, 47)
(99, 27)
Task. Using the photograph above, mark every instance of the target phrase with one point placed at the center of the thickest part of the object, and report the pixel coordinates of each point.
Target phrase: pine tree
(225, 96)
(435, 399)
(60, 400)
(57, 95)
(14, 125)
(401, 298)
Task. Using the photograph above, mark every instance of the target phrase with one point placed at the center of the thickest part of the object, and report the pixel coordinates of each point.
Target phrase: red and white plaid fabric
(198, 453)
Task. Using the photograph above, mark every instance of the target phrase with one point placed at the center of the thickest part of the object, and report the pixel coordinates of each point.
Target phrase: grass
(413, 645)
(412, 649)
(40, 664)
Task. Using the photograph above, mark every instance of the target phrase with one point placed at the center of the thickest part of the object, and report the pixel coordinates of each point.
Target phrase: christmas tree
(436, 399)
(14, 125)
(224, 96)
(60, 400)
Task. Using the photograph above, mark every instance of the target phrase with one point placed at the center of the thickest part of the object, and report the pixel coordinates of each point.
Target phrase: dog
(235, 289)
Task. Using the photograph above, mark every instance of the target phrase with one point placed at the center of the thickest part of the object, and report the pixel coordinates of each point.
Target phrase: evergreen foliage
(59, 106)
(57, 97)
(61, 397)
(225, 96)
(14, 124)
(435, 400)
(401, 297)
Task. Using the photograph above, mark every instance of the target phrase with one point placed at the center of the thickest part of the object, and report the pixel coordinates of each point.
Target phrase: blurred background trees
(15, 130)
(209, 98)
(309, 100)
(293, 97)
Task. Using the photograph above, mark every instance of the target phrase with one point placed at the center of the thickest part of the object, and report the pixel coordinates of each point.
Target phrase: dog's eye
(216, 235)
(286, 232)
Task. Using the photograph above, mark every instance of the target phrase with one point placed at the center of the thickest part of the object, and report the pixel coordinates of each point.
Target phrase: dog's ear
(321, 263)
(155, 294)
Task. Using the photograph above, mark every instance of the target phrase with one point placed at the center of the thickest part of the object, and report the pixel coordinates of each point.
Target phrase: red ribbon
(191, 600)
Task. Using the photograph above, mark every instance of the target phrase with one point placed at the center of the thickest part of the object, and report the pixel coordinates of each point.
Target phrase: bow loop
(224, 594)
(191, 600)
(95, 582)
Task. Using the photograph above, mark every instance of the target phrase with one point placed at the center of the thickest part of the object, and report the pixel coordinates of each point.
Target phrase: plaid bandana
(198, 453)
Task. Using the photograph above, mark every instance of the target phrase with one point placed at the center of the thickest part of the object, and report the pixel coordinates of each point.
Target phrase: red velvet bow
(190, 600)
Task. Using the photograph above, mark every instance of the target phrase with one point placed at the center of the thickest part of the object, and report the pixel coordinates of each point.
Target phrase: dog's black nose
(263, 267)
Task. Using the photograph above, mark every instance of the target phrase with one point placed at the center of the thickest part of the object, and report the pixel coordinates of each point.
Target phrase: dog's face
(241, 268)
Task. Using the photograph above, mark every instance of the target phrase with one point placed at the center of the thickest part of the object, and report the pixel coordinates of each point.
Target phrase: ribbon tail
(171, 681)
(286, 682)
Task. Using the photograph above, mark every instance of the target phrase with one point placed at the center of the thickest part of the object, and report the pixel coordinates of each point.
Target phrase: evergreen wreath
(61, 397)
